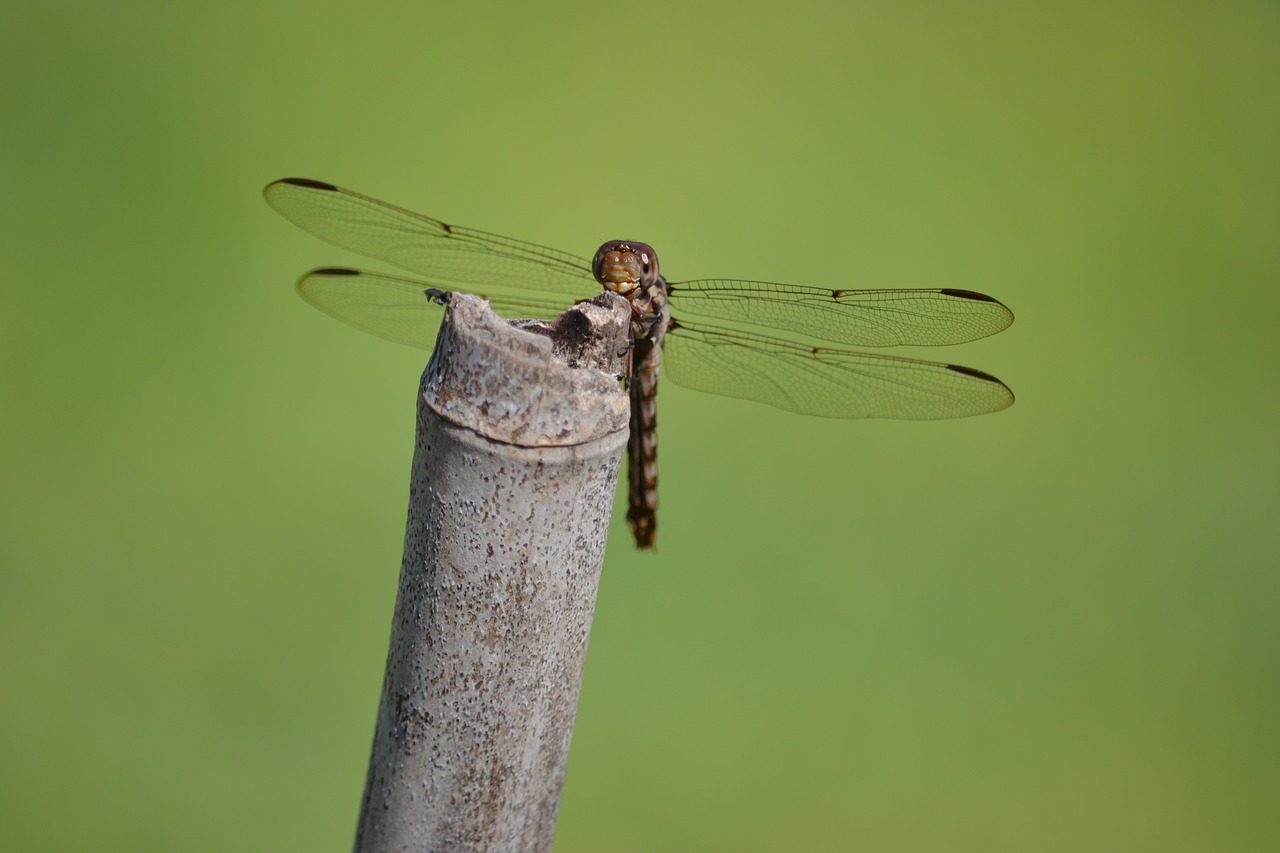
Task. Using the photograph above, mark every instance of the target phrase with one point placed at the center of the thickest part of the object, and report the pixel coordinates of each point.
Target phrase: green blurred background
(1050, 629)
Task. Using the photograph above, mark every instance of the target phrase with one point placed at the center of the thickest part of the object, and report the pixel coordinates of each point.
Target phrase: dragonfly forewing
(869, 318)
(450, 256)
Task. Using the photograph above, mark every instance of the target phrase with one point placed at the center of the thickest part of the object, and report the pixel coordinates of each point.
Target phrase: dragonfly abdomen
(642, 447)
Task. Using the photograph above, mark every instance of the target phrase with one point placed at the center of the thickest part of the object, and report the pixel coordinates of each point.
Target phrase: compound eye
(648, 261)
(621, 262)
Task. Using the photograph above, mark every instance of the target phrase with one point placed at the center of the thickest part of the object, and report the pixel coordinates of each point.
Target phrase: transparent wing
(869, 318)
(830, 383)
(451, 256)
(789, 375)
(396, 308)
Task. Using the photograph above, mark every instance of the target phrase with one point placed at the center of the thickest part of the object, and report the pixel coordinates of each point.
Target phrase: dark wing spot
(974, 372)
(335, 271)
(307, 182)
(448, 229)
(967, 294)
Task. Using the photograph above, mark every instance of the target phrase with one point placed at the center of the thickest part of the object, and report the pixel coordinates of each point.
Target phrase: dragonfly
(748, 339)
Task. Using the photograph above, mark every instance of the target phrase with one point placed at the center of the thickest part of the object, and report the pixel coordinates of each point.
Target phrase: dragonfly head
(623, 266)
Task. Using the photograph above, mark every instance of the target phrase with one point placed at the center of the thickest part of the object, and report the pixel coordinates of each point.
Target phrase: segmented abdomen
(642, 448)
